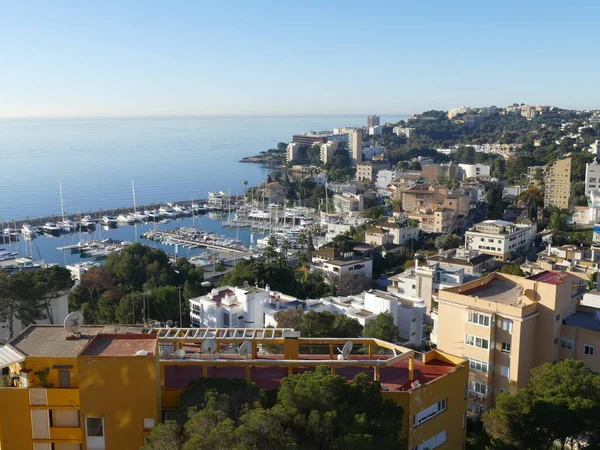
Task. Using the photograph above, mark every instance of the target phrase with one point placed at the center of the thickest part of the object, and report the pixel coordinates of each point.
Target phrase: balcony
(65, 434)
(54, 397)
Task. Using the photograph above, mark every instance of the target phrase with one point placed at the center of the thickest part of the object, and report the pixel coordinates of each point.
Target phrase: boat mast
(133, 191)
(62, 206)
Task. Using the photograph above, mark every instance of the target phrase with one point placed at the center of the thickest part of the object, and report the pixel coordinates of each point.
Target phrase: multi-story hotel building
(500, 238)
(558, 184)
(105, 389)
(505, 326)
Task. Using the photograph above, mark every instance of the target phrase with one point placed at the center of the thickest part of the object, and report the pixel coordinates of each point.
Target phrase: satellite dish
(73, 321)
(179, 354)
(245, 349)
(209, 346)
(196, 356)
(345, 351)
(169, 323)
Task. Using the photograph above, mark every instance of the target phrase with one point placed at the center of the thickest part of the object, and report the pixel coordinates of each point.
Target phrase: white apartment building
(372, 151)
(239, 307)
(403, 131)
(386, 177)
(500, 238)
(375, 131)
(347, 266)
(347, 203)
(293, 151)
(327, 151)
(592, 178)
(474, 170)
(409, 315)
(422, 283)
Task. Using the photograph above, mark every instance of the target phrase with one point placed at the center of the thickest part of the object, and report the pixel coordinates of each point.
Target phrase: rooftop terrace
(500, 290)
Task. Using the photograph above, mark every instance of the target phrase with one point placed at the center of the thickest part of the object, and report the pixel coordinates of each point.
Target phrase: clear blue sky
(98, 58)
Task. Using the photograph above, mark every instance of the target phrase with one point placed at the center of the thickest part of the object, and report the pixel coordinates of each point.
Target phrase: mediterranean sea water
(169, 159)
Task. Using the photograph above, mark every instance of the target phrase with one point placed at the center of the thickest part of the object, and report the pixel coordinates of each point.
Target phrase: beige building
(327, 151)
(293, 151)
(367, 170)
(347, 203)
(439, 172)
(355, 145)
(377, 236)
(505, 326)
(437, 210)
(558, 184)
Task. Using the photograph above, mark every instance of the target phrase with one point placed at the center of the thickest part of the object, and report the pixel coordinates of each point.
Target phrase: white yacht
(125, 218)
(108, 220)
(259, 214)
(152, 215)
(168, 212)
(87, 223)
(181, 210)
(66, 225)
(28, 231)
(51, 228)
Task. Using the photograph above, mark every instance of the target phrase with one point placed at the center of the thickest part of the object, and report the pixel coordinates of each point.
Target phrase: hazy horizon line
(182, 116)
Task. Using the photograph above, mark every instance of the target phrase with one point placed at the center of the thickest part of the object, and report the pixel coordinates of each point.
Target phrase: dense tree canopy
(312, 410)
(560, 405)
(382, 327)
(447, 241)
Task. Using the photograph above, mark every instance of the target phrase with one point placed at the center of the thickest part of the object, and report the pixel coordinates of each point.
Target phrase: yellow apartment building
(505, 325)
(108, 388)
(558, 184)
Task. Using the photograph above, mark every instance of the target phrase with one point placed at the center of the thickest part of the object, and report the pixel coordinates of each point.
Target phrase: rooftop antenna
(345, 351)
(73, 322)
(245, 349)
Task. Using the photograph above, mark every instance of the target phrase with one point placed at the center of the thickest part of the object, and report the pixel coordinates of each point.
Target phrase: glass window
(477, 341)
(476, 386)
(429, 412)
(505, 347)
(478, 318)
(479, 366)
(505, 371)
(588, 349)
(94, 426)
(507, 325)
(567, 343)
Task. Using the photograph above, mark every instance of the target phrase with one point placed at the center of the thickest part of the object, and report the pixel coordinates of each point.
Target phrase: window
(94, 426)
(148, 423)
(479, 366)
(434, 442)
(478, 318)
(588, 349)
(476, 386)
(478, 342)
(505, 371)
(226, 319)
(505, 347)
(425, 414)
(506, 325)
(556, 340)
(567, 343)
(475, 409)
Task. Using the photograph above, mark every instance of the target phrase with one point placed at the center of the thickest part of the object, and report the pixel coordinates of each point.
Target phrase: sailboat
(65, 225)
(137, 216)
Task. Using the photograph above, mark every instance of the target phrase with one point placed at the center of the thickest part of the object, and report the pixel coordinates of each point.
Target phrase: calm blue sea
(170, 159)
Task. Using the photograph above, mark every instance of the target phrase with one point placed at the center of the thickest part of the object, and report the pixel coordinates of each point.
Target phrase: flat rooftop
(550, 277)
(51, 340)
(392, 378)
(121, 345)
(499, 290)
(583, 320)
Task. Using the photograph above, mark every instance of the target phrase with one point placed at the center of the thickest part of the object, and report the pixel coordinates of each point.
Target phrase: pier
(193, 238)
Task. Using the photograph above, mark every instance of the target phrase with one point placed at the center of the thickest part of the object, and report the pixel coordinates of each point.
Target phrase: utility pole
(180, 311)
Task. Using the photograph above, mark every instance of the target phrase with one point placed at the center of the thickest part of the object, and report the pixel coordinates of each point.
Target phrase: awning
(9, 356)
